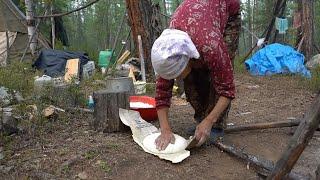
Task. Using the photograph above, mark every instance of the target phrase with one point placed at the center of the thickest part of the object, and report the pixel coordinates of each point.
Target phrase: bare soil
(68, 149)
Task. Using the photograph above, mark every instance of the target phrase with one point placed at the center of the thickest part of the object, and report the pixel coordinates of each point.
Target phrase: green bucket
(105, 59)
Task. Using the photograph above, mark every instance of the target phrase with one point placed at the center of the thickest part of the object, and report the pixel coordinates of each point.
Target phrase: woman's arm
(166, 136)
(204, 128)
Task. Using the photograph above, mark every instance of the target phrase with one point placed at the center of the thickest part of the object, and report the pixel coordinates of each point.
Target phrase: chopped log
(298, 142)
(262, 166)
(106, 110)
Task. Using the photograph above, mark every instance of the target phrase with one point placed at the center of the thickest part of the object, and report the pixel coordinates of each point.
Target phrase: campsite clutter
(120, 99)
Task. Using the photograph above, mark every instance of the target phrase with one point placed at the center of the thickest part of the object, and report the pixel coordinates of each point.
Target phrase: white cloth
(171, 53)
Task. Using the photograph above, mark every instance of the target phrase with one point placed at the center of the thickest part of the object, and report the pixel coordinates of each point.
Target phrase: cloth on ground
(277, 59)
(53, 62)
(142, 129)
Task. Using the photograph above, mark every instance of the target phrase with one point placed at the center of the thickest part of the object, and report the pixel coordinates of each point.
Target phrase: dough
(179, 145)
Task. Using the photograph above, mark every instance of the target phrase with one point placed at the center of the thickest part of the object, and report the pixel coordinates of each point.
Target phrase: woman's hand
(164, 139)
(203, 131)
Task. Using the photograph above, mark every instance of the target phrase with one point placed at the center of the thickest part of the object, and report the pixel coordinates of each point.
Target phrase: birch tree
(31, 26)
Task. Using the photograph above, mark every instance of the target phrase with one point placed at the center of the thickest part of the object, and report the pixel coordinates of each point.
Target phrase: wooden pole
(268, 125)
(8, 48)
(143, 67)
(298, 142)
(53, 29)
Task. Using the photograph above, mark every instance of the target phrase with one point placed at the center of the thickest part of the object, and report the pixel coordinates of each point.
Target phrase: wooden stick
(257, 126)
(66, 13)
(247, 127)
(124, 56)
(298, 142)
(262, 166)
(8, 47)
(143, 68)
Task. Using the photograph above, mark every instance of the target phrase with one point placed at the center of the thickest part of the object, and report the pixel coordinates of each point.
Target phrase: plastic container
(105, 59)
(121, 84)
(148, 114)
(140, 87)
(88, 70)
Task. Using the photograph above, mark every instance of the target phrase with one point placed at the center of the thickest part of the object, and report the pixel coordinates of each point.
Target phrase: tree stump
(106, 110)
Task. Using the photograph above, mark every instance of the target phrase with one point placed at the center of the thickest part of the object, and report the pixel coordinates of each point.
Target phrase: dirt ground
(71, 150)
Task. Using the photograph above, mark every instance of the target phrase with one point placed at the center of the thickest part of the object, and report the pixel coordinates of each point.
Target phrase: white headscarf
(171, 53)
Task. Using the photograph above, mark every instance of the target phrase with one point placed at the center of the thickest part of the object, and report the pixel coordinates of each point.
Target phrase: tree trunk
(250, 23)
(299, 30)
(165, 13)
(31, 25)
(140, 14)
(307, 29)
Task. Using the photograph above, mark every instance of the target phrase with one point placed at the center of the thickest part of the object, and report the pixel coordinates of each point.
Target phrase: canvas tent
(13, 21)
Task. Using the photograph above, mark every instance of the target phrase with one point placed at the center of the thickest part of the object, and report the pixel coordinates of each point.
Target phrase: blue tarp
(277, 59)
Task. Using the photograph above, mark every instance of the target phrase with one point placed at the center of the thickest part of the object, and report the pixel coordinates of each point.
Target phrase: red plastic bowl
(148, 114)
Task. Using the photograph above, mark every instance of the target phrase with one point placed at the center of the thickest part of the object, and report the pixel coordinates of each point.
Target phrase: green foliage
(314, 82)
(105, 166)
(18, 76)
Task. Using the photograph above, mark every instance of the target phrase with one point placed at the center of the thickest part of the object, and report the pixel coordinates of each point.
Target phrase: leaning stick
(262, 166)
(298, 142)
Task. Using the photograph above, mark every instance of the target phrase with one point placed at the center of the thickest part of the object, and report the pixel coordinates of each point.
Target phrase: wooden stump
(106, 110)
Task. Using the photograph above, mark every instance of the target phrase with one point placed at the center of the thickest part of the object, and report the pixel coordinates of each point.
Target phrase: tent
(13, 25)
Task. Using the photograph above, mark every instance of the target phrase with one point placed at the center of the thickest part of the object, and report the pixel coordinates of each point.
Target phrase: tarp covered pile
(277, 59)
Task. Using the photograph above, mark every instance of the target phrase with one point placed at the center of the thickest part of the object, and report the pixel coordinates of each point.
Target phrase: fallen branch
(69, 12)
(298, 142)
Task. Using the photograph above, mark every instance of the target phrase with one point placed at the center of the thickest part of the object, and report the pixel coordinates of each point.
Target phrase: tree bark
(140, 14)
(307, 29)
(298, 142)
(31, 25)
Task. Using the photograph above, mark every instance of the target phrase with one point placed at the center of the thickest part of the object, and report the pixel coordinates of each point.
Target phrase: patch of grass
(105, 166)
(90, 154)
(312, 84)
(239, 66)
(65, 169)
(18, 76)
(113, 146)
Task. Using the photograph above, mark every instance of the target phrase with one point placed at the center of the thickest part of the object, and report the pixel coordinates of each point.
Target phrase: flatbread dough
(179, 145)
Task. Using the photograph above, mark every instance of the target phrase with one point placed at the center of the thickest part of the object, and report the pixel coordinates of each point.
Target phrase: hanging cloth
(282, 25)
